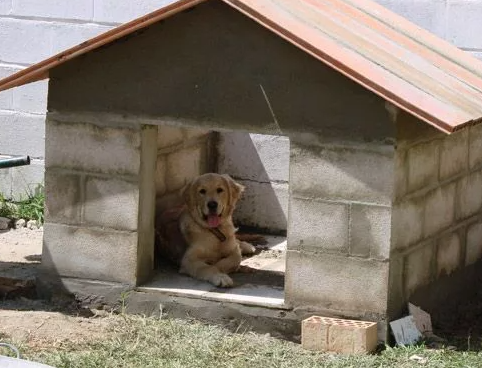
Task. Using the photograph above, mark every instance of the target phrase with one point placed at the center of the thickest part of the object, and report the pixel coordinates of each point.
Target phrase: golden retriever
(199, 234)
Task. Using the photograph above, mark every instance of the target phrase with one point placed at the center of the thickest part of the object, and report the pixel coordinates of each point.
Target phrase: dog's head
(211, 198)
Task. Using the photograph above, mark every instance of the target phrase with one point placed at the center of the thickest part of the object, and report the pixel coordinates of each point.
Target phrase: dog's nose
(212, 205)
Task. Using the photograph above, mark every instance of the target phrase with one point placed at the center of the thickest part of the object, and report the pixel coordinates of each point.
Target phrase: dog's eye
(220, 190)
(202, 191)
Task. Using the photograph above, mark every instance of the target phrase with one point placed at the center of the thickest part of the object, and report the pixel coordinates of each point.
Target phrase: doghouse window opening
(261, 164)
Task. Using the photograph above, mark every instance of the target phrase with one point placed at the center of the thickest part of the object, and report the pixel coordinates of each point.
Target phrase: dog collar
(217, 233)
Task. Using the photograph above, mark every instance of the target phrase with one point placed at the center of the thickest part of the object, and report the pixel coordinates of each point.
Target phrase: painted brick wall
(31, 30)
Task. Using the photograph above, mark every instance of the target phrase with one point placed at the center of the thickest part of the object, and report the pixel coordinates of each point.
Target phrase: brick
(407, 215)
(22, 134)
(258, 157)
(183, 166)
(90, 253)
(62, 197)
(263, 205)
(454, 154)
(328, 280)
(439, 209)
(473, 251)
(79, 9)
(160, 176)
(93, 149)
(427, 14)
(168, 136)
(469, 200)
(448, 254)
(66, 35)
(338, 335)
(6, 97)
(24, 41)
(423, 165)
(111, 203)
(113, 11)
(31, 98)
(348, 174)
(370, 228)
(418, 268)
(475, 146)
(319, 226)
(27, 180)
(463, 23)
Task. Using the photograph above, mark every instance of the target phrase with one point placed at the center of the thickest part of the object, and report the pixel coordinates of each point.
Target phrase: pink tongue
(213, 220)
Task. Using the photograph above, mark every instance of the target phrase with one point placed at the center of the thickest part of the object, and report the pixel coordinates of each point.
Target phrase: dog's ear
(186, 194)
(235, 189)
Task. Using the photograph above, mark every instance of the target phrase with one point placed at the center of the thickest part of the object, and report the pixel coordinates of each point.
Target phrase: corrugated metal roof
(404, 64)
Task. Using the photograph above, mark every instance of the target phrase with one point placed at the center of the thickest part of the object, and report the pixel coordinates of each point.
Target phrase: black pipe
(14, 161)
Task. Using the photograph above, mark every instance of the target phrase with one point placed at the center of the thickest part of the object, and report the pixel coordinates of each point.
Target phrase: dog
(198, 234)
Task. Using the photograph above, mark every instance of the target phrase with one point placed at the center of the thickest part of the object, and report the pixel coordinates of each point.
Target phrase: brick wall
(436, 218)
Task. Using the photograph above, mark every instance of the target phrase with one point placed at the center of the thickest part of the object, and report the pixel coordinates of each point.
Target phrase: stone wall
(261, 163)
(436, 221)
(100, 195)
(339, 229)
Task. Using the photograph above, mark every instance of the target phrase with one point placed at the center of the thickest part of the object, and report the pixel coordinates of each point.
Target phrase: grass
(149, 342)
(29, 208)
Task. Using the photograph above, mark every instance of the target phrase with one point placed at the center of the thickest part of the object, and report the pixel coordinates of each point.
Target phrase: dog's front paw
(246, 248)
(221, 280)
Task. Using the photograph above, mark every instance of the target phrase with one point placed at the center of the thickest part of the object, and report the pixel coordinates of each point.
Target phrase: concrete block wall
(339, 229)
(100, 196)
(260, 163)
(437, 212)
(182, 154)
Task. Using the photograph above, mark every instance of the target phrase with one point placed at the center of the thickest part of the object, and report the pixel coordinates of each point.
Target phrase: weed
(29, 208)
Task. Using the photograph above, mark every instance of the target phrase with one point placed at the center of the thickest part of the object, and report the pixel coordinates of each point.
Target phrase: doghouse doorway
(261, 164)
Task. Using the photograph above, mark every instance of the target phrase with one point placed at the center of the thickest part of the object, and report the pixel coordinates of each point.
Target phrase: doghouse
(385, 176)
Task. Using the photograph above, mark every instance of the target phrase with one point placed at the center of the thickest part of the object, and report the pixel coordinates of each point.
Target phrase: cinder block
(258, 157)
(469, 195)
(345, 173)
(22, 134)
(473, 250)
(6, 183)
(426, 14)
(90, 253)
(335, 281)
(67, 35)
(62, 197)
(195, 133)
(113, 11)
(370, 228)
(338, 335)
(93, 149)
(111, 203)
(168, 136)
(423, 165)
(418, 268)
(317, 225)
(454, 154)
(448, 254)
(263, 205)
(439, 209)
(26, 180)
(475, 146)
(401, 173)
(79, 9)
(31, 98)
(407, 215)
(24, 41)
(6, 97)
(463, 23)
(5, 7)
(182, 166)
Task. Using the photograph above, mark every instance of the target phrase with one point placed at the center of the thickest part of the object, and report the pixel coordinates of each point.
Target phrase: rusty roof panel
(380, 50)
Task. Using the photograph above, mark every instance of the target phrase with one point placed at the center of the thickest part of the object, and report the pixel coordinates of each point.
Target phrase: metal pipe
(14, 161)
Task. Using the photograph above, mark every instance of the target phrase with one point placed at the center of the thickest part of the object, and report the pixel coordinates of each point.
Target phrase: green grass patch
(29, 208)
(148, 342)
